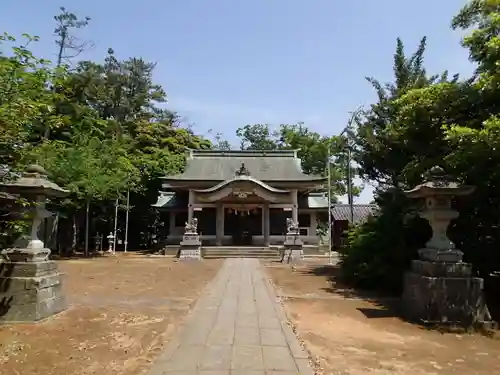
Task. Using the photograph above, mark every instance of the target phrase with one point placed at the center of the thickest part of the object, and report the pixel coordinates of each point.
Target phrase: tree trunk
(75, 234)
(87, 229)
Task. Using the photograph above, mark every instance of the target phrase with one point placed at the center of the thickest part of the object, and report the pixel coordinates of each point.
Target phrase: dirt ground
(123, 310)
(347, 334)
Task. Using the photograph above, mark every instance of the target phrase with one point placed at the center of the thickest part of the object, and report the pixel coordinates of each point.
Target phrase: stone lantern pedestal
(293, 245)
(440, 287)
(30, 283)
(190, 246)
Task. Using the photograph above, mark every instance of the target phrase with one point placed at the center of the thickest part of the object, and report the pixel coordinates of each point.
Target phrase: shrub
(379, 251)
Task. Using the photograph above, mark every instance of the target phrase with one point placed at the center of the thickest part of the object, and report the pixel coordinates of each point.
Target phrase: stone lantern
(111, 242)
(440, 288)
(33, 284)
(438, 193)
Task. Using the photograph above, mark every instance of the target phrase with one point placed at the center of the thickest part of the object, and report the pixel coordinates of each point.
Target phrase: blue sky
(228, 63)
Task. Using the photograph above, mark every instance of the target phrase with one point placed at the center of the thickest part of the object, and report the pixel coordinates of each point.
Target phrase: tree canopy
(100, 129)
(103, 128)
(421, 120)
(313, 148)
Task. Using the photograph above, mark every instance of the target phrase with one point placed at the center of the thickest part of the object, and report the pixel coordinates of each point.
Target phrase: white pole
(116, 224)
(329, 207)
(126, 220)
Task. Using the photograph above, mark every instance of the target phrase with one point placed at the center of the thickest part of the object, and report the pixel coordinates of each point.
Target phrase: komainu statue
(291, 226)
(191, 227)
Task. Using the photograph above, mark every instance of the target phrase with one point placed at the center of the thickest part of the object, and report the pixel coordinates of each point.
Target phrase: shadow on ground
(385, 306)
(77, 255)
(102, 254)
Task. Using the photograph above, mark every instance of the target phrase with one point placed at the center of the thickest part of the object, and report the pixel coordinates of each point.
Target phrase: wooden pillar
(171, 224)
(219, 224)
(266, 223)
(314, 224)
(295, 207)
(190, 206)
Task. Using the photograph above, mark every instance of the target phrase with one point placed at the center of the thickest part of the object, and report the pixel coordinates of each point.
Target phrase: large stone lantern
(440, 288)
(35, 187)
(437, 193)
(32, 283)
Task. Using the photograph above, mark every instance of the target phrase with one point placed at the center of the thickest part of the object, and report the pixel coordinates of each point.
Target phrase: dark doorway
(242, 226)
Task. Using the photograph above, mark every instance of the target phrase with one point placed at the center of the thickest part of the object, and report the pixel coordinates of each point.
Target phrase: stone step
(238, 248)
(240, 252)
(256, 256)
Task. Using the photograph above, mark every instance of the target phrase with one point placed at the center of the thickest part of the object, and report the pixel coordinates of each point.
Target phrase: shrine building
(242, 198)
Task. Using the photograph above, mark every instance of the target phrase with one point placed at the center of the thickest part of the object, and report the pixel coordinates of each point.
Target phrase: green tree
(377, 140)
(68, 45)
(219, 142)
(100, 129)
(313, 147)
(25, 102)
(257, 137)
(397, 139)
(432, 121)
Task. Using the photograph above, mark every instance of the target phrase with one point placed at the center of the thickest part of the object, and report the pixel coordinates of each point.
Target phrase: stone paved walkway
(236, 328)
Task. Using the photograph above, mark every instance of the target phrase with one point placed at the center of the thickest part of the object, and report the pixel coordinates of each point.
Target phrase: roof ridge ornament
(243, 171)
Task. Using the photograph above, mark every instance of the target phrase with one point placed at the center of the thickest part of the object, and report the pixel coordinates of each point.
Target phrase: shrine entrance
(242, 223)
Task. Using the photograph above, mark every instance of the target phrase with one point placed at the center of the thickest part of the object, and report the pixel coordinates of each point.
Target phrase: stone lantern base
(293, 249)
(190, 247)
(445, 293)
(30, 291)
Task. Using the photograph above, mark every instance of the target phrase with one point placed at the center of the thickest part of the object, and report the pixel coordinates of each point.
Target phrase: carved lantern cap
(34, 181)
(438, 183)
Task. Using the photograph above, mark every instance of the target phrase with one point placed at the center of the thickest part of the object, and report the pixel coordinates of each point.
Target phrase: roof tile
(361, 212)
(262, 165)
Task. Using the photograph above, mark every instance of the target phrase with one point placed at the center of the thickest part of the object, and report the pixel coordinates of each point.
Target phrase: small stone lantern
(33, 287)
(439, 288)
(98, 242)
(111, 242)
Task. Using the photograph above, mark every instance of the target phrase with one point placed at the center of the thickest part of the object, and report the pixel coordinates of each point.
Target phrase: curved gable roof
(239, 179)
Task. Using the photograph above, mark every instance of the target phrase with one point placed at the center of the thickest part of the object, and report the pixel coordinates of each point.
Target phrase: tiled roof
(166, 199)
(7, 196)
(314, 200)
(281, 165)
(361, 212)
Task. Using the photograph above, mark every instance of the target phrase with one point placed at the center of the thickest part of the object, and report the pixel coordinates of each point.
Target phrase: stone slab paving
(237, 327)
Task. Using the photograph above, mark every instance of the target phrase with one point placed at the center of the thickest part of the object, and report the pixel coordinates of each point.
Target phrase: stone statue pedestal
(30, 291)
(190, 247)
(293, 248)
(442, 292)
(436, 255)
